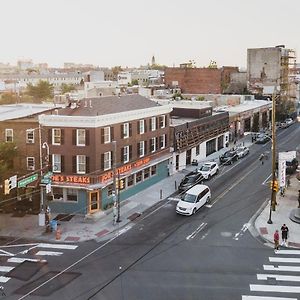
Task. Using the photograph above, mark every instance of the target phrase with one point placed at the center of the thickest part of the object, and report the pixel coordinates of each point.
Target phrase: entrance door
(94, 203)
(188, 156)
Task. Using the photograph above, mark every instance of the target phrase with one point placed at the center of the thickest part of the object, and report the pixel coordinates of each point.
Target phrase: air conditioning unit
(30, 141)
(31, 168)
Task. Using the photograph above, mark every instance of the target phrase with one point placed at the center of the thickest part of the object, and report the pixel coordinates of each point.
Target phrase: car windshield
(189, 179)
(228, 154)
(204, 168)
(189, 198)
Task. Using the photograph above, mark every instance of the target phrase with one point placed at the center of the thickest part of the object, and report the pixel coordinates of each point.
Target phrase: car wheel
(217, 172)
(194, 210)
(208, 200)
(209, 177)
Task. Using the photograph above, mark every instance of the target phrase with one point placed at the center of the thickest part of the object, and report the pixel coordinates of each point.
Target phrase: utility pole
(116, 181)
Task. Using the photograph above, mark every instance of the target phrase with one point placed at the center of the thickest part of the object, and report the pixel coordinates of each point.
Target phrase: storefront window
(146, 173)
(57, 194)
(153, 170)
(110, 189)
(138, 176)
(72, 195)
(130, 180)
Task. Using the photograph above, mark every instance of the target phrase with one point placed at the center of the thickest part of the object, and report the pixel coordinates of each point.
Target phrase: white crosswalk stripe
(48, 253)
(284, 259)
(4, 279)
(5, 269)
(281, 268)
(278, 277)
(265, 298)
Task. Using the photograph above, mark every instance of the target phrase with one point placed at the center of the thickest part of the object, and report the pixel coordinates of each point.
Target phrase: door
(94, 201)
(188, 156)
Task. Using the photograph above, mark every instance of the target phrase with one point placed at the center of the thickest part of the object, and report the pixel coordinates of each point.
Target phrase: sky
(129, 32)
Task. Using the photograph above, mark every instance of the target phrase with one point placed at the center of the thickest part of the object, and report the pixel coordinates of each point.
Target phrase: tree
(42, 91)
(67, 88)
(134, 82)
(177, 96)
(200, 98)
(9, 98)
(7, 153)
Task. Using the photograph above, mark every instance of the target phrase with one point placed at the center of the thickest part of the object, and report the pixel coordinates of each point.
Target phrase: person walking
(115, 213)
(276, 240)
(284, 234)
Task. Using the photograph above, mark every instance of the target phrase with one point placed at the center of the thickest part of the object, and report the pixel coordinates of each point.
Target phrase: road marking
(57, 246)
(5, 253)
(21, 260)
(278, 277)
(155, 210)
(4, 279)
(265, 298)
(288, 252)
(284, 259)
(18, 245)
(194, 233)
(49, 253)
(5, 269)
(274, 288)
(267, 179)
(281, 268)
(242, 231)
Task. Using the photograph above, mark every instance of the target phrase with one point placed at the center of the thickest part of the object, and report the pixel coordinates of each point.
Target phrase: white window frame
(126, 154)
(56, 163)
(31, 166)
(142, 126)
(107, 160)
(28, 139)
(141, 148)
(164, 142)
(80, 140)
(153, 142)
(54, 130)
(126, 130)
(80, 163)
(153, 123)
(9, 133)
(163, 121)
(107, 135)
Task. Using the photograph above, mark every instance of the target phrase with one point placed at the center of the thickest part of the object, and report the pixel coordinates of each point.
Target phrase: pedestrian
(47, 215)
(298, 198)
(284, 234)
(276, 240)
(2, 290)
(282, 190)
(288, 181)
(115, 212)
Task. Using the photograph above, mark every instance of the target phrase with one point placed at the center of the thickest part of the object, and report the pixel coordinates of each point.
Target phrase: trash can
(53, 224)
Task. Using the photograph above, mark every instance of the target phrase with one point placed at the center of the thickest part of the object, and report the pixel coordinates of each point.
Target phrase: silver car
(242, 151)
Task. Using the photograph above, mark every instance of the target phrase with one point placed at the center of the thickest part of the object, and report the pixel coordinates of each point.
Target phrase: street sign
(46, 180)
(48, 174)
(13, 181)
(27, 180)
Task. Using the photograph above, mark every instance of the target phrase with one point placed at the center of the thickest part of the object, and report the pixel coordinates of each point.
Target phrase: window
(110, 189)
(80, 137)
(30, 163)
(138, 176)
(130, 180)
(153, 170)
(162, 121)
(107, 160)
(142, 126)
(125, 130)
(152, 145)
(9, 135)
(29, 136)
(146, 173)
(162, 141)
(198, 149)
(56, 136)
(153, 123)
(80, 164)
(126, 154)
(106, 135)
(72, 195)
(56, 162)
(141, 149)
(57, 193)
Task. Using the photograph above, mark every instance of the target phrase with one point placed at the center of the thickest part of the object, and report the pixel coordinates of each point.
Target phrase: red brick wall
(195, 80)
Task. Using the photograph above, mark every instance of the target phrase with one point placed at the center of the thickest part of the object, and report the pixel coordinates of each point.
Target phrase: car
(190, 180)
(229, 157)
(289, 122)
(193, 199)
(262, 139)
(242, 151)
(283, 125)
(209, 169)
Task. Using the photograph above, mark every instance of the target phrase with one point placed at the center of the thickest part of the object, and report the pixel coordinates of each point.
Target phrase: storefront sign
(71, 179)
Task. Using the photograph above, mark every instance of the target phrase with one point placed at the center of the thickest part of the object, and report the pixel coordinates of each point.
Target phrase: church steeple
(153, 60)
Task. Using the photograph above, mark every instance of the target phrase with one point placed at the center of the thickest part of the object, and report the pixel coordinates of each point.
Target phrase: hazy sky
(129, 32)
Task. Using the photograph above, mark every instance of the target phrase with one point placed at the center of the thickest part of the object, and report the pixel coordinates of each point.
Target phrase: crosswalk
(36, 253)
(285, 277)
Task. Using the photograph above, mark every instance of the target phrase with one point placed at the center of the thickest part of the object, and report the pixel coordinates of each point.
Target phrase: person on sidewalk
(284, 234)
(298, 198)
(276, 240)
(115, 213)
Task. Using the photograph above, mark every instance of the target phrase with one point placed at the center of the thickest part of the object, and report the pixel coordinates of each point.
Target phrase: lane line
(281, 268)
(21, 260)
(284, 259)
(274, 288)
(194, 233)
(5, 269)
(267, 179)
(5, 253)
(4, 279)
(49, 253)
(278, 277)
(245, 297)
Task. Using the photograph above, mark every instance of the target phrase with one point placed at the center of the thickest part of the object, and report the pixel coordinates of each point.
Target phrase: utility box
(41, 219)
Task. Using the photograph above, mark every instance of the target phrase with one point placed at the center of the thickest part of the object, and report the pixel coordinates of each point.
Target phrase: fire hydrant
(58, 234)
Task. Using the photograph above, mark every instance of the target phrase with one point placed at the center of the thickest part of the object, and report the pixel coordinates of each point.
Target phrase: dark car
(190, 180)
(229, 157)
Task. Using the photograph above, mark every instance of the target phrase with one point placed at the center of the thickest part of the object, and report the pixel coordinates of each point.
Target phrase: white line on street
(267, 179)
(5, 253)
(292, 252)
(155, 210)
(278, 277)
(274, 288)
(17, 245)
(21, 260)
(4, 279)
(284, 259)
(194, 233)
(57, 246)
(281, 268)
(49, 253)
(5, 269)
(242, 231)
(265, 298)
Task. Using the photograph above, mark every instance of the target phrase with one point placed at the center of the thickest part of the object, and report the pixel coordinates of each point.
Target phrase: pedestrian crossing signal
(7, 186)
(274, 186)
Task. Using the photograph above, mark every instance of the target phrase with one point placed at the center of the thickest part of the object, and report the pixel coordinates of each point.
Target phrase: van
(193, 199)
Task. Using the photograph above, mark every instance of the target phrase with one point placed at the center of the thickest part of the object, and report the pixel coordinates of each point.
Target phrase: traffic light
(274, 186)
(117, 183)
(7, 186)
(121, 184)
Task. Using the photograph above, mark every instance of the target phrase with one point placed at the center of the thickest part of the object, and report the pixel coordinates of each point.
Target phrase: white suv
(209, 169)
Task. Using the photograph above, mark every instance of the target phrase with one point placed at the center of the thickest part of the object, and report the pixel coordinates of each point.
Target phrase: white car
(242, 151)
(209, 169)
(193, 199)
(289, 121)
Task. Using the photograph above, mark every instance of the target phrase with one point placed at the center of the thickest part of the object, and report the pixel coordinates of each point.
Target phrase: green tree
(42, 91)
(177, 95)
(9, 98)
(7, 153)
(134, 82)
(200, 98)
(67, 88)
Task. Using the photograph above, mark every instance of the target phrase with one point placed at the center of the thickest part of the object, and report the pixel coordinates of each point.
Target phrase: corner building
(82, 151)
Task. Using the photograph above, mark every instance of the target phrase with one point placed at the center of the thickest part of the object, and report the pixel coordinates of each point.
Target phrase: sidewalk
(100, 225)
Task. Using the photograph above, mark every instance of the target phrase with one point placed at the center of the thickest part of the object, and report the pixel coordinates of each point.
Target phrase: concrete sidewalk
(100, 225)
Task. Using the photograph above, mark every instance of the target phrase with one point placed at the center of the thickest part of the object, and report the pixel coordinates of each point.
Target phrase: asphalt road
(210, 255)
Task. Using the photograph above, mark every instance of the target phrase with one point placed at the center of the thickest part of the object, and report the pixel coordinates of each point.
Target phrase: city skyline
(129, 33)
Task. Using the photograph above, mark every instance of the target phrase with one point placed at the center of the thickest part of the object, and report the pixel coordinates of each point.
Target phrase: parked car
(190, 180)
(289, 122)
(262, 139)
(242, 151)
(193, 199)
(283, 125)
(229, 157)
(209, 169)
